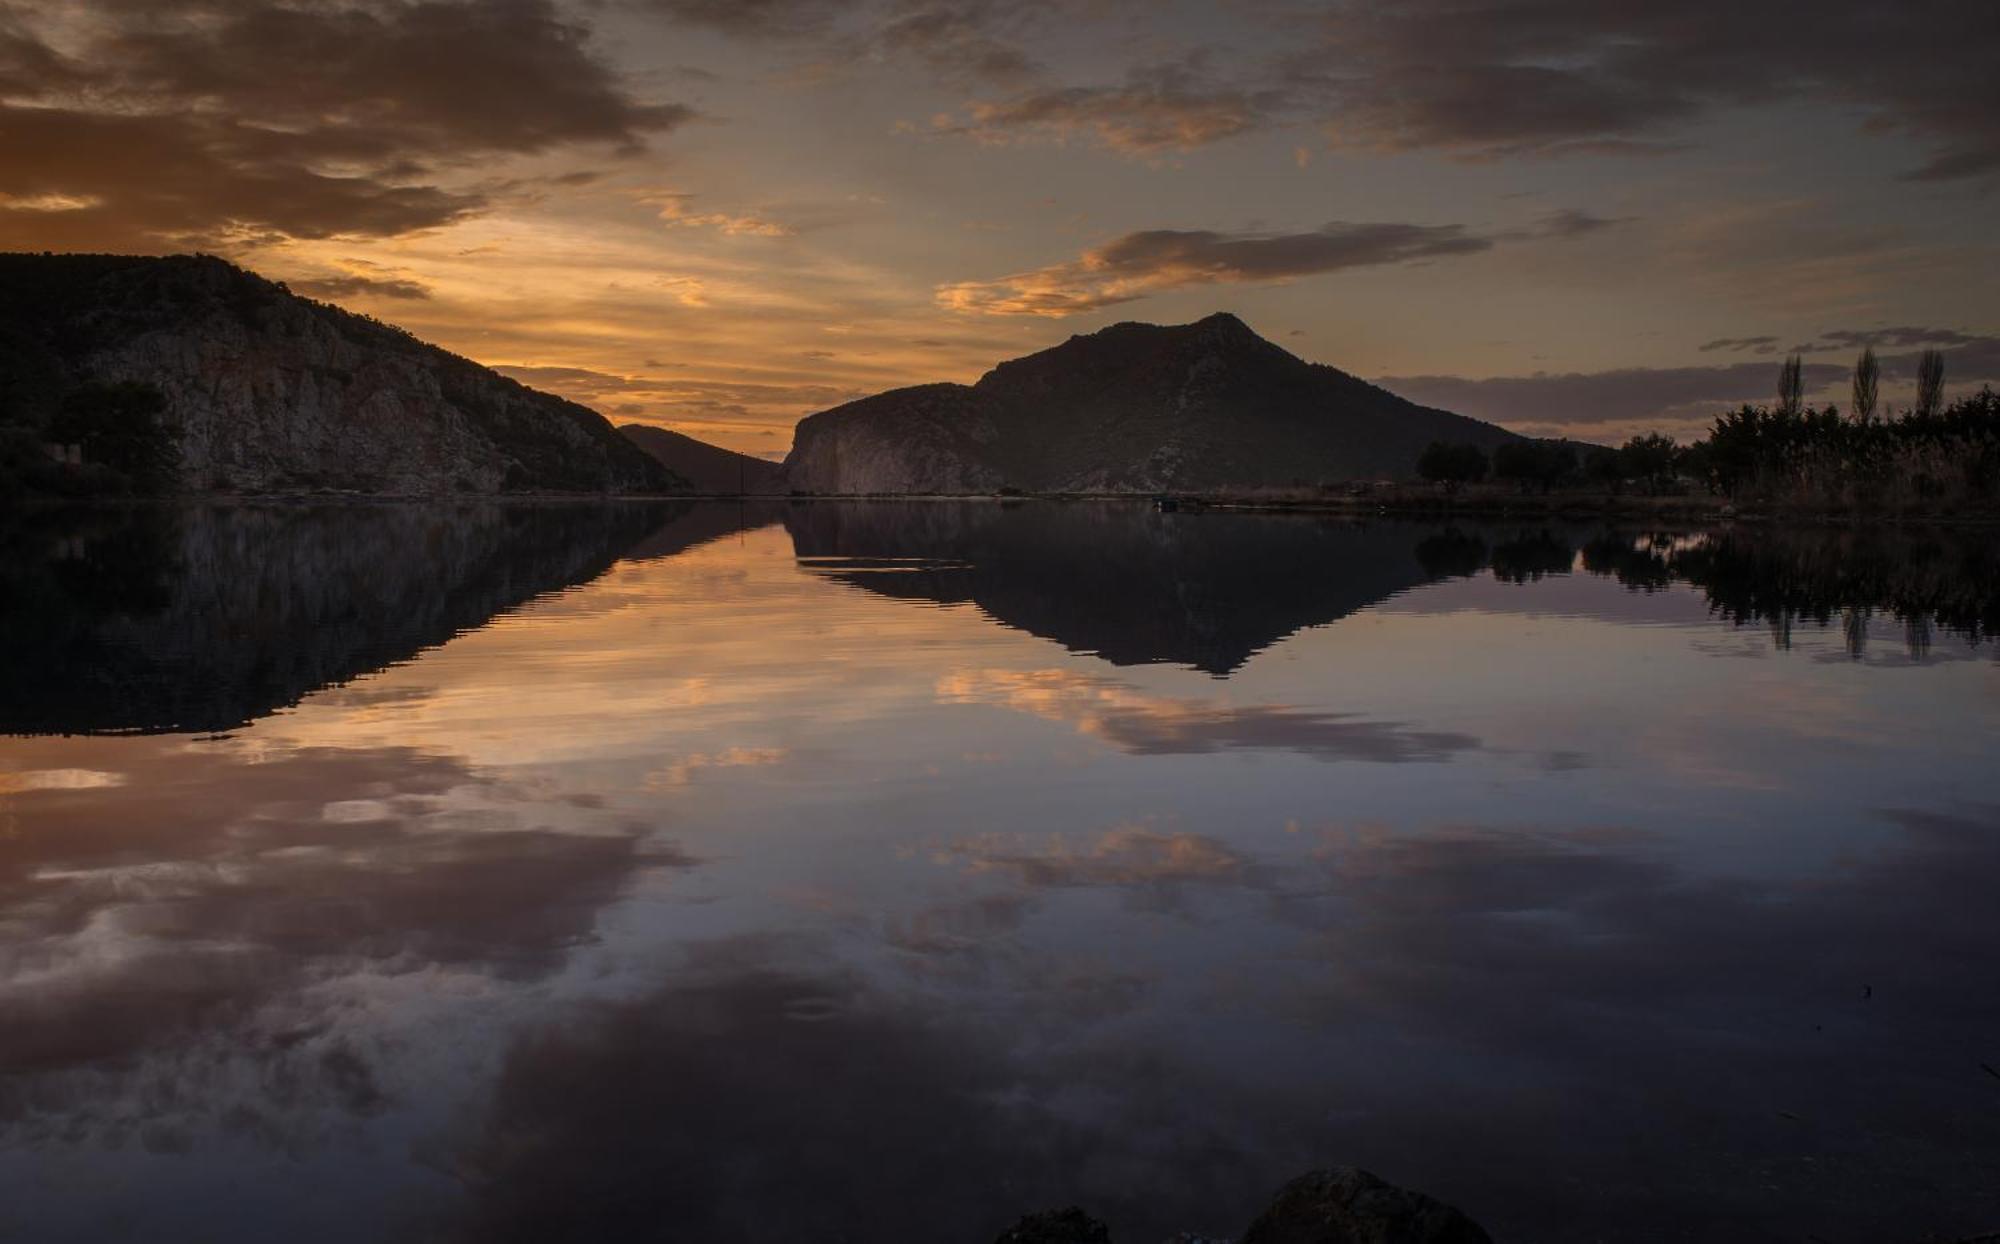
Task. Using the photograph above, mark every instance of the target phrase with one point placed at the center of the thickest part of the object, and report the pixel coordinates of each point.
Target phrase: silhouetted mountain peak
(1208, 405)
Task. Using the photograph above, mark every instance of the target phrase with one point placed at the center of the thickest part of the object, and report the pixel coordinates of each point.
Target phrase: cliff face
(1133, 408)
(707, 468)
(266, 391)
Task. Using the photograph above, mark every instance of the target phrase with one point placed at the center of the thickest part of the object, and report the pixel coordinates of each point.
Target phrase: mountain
(707, 468)
(1207, 406)
(251, 388)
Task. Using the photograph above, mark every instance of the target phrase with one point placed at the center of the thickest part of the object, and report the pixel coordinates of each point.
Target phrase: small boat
(1165, 504)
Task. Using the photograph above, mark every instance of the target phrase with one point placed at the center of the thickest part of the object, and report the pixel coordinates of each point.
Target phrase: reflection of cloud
(754, 1100)
(206, 901)
(1126, 855)
(1133, 721)
(680, 771)
(1473, 1007)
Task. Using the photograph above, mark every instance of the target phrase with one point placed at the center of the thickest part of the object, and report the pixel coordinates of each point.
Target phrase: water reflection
(706, 886)
(154, 619)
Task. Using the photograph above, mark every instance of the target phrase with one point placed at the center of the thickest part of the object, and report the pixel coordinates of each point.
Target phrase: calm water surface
(848, 872)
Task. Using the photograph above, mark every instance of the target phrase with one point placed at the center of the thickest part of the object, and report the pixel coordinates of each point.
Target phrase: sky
(1573, 217)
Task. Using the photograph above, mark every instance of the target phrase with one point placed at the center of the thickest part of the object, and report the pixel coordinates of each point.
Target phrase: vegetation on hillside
(1932, 456)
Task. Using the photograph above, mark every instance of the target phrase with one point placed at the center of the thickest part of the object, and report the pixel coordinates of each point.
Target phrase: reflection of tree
(1781, 577)
(1638, 563)
(1529, 555)
(1451, 553)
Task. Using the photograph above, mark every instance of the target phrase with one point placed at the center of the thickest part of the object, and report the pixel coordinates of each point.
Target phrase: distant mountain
(707, 468)
(267, 391)
(1134, 407)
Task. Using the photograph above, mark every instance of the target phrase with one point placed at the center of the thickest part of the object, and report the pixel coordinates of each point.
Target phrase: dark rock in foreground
(1339, 1205)
(1344, 1205)
(1057, 1226)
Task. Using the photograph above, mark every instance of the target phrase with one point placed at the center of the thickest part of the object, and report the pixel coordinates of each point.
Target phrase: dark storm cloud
(751, 19)
(1484, 79)
(1499, 77)
(198, 121)
(1152, 261)
(961, 40)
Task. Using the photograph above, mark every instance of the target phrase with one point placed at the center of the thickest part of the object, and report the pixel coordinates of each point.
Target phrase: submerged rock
(1056, 1226)
(1344, 1205)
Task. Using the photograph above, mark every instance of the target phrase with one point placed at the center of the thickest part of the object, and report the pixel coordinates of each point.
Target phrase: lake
(886, 871)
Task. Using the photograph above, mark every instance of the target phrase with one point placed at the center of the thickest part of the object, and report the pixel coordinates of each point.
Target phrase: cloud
(1172, 106)
(676, 209)
(750, 19)
(188, 121)
(960, 40)
(240, 897)
(1552, 77)
(338, 287)
(1737, 345)
(1156, 260)
(1638, 398)
(1125, 856)
(1900, 337)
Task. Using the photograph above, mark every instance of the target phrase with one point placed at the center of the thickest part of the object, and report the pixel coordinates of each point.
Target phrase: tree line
(1932, 454)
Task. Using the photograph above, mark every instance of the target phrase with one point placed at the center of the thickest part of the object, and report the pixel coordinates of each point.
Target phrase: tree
(1791, 386)
(1649, 458)
(1867, 375)
(118, 427)
(1534, 462)
(1452, 465)
(1930, 384)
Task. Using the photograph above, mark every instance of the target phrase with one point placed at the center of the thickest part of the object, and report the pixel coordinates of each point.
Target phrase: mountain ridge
(1132, 407)
(708, 469)
(262, 390)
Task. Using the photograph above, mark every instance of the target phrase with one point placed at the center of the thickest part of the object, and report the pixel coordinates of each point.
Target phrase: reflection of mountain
(1210, 590)
(1119, 580)
(149, 620)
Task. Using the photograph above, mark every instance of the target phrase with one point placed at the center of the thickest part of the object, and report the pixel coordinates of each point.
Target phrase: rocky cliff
(1209, 406)
(267, 391)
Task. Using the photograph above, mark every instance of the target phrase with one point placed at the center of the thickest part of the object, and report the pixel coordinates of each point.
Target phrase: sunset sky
(1584, 217)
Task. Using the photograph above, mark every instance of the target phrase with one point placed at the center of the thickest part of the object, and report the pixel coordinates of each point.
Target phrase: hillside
(229, 383)
(1206, 406)
(707, 468)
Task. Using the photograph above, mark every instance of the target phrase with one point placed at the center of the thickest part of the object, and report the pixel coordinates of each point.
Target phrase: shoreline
(1552, 507)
